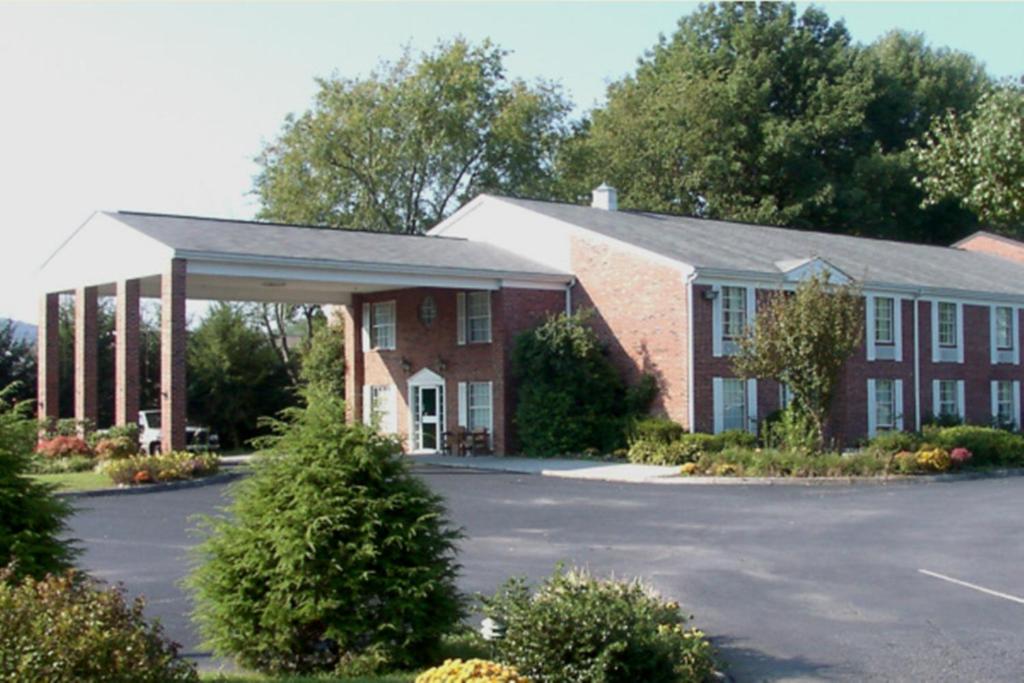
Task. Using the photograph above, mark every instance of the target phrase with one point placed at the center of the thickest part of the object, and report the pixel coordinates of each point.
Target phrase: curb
(219, 478)
(676, 479)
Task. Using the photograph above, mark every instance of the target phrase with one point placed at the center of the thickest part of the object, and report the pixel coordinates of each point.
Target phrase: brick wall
(640, 313)
(436, 347)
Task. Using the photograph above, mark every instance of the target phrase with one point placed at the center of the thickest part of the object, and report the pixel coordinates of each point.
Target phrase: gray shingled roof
(248, 238)
(708, 244)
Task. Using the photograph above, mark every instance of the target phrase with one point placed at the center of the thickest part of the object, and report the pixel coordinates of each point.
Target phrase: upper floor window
(734, 312)
(474, 317)
(1004, 328)
(884, 320)
(382, 325)
(947, 324)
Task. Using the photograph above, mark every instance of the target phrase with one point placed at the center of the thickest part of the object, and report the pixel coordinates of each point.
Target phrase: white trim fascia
(935, 399)
(993, 346)
(529, 284)
(717, 405)
(216, 263)
(872, 410)
(961, 399)
(463, 211)
(752, 406)
(993, 398)
(959, 332)
(691, 407)
(869, 330)
(897, 399)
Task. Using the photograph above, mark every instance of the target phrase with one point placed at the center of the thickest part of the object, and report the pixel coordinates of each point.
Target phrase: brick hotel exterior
(430, 320)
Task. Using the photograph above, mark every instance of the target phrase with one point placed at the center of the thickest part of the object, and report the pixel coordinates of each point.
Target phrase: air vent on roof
(605, 197)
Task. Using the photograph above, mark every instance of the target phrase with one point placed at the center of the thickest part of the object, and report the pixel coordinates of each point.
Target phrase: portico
(133, 256)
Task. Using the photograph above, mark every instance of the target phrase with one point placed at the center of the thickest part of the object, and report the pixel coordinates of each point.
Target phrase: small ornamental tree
(332, 556)
(803, 340)
(323, 361)
(31, 517)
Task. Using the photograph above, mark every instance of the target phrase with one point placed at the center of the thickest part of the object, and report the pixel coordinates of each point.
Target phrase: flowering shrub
(960, 455)
(63, 447)
(688, 469)
(933, 459)
(576, 627)
(459, 671)
(67, 628)
(146, 469)
(115, 447)
(905, 462)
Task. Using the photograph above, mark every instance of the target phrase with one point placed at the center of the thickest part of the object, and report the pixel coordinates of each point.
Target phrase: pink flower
(960, 455)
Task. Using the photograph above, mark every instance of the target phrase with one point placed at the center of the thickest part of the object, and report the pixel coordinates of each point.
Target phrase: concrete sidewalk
(555, 467)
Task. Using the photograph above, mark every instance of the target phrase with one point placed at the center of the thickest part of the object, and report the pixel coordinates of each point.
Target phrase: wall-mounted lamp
(406, 365)
(442, 364)
(711, 294)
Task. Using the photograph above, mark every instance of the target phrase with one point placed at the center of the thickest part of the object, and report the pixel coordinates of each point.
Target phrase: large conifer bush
(332, 555)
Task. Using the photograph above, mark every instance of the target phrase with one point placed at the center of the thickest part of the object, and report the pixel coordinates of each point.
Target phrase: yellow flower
(471, 671)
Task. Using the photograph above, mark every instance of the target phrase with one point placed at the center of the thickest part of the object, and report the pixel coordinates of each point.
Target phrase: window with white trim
(1005, 403)
(479, 406)
(734, 312)
(1004, 328)
(734, 404)
(381, 409)
(885, 324)
(885, 405)
(948, 403)
(478, 317)
(948, 334)
(382, 325)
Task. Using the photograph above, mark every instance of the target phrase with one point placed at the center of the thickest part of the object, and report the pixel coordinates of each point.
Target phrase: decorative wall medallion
(428, 311)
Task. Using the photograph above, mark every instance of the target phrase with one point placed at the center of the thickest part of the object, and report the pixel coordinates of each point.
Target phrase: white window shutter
(392, 418)
(936, 355)
(959, 333)
(752, 405)
(897, 391)
(935, 399)
(1016, 404)
(872, 410)
(717, 403)
(869, 312)
(994, 398)
(366, 327)
(490, 317)
(993, 346)
(367, 404)
(751, 305)
(1016, 335)
(490, 415)
(716, 322)
(460, 316)
(463, 404)
(897, 327)
(961, 405)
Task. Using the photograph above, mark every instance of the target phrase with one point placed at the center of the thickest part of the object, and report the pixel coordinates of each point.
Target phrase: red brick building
(430, 320)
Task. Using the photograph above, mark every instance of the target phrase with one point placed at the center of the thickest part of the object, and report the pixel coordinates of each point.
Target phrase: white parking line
(965, 584)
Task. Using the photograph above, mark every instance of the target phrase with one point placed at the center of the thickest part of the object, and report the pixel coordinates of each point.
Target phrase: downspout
(568, 296)
(916, 364)
(690, 402)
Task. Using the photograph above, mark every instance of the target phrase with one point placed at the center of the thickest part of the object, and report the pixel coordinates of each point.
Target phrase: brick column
(48, 361)
(172, 357)
(126, 357)
(86, 354)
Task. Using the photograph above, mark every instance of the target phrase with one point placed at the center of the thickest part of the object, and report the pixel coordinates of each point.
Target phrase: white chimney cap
(605, 197)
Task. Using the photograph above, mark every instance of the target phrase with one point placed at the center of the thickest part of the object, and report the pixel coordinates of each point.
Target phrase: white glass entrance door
(426, 411)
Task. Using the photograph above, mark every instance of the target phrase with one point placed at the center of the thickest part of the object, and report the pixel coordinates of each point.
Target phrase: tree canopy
(401, 149)
(977, 158)
(758, 113)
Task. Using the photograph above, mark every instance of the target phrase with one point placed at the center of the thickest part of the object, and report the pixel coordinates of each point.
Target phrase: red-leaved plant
(960, 456)
(63, 447)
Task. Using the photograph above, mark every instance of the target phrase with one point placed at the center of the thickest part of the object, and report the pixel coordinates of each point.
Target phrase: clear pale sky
(161, 107)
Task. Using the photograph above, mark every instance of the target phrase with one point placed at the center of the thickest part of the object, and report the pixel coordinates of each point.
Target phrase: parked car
(197, 438)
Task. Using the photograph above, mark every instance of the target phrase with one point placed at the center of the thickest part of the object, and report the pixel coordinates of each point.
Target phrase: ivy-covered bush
(570, 397)
(148, 469)
(576, 627)
(65, 629)
(332, 556)
(31, 517)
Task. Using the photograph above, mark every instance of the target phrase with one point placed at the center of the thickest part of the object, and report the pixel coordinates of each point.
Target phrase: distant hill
(23, 331)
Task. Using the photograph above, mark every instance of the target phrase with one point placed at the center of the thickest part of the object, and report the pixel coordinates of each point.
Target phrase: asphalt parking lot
(900, 582)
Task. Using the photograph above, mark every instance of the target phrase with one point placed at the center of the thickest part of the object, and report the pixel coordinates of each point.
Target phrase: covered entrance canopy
(131, 255)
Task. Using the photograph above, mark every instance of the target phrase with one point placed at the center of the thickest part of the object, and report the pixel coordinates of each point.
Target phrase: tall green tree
(803, 340)
(757, 112)
(323, 361)
(977, 159)
(17, 363)
(401, 149)
(234, 377)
